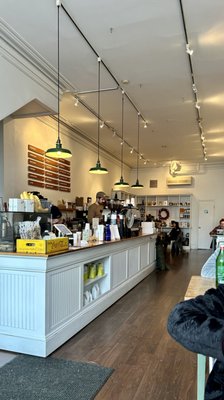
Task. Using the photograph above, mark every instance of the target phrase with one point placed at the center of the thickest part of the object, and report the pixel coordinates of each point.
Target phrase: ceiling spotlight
(132, 149)
(197, 105)
(122, 142)
(145, 162)
(205, 158)
(76, 103)
(101, 124)
(189, 50)
(114, 133)
(125, 81)
(202, 137)
(145, 125)
(194, 88)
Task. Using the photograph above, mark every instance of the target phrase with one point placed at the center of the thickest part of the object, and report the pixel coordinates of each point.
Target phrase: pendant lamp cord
(138, 147)
(122, 132)
(58, 80)
(98, 110)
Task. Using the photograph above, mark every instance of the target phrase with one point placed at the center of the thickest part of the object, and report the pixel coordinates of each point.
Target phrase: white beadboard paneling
(144, 255)
(118, 268)
(18, 301)
(133, 261)
(64, 295)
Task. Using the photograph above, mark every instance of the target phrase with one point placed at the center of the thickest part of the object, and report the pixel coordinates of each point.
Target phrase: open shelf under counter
(90, 282)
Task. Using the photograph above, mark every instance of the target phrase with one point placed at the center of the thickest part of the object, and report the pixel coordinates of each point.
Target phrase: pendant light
(122, 183)
(98, 170)
(137, 185)
(58, 151)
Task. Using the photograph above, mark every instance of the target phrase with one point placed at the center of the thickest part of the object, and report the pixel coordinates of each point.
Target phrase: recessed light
(125, 81)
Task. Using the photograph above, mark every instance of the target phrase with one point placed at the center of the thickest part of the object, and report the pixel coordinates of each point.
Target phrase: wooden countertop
(75, 249)
(198, 286)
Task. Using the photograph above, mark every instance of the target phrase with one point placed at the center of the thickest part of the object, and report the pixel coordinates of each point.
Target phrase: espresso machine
(132, 220)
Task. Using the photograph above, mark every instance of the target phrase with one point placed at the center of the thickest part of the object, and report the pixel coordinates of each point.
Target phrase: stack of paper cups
(75, 241)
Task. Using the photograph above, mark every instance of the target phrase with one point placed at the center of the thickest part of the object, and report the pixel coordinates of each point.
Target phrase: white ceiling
(141, 41)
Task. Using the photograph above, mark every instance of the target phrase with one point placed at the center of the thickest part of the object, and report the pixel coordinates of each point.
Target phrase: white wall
(42, 133)
(207, 185)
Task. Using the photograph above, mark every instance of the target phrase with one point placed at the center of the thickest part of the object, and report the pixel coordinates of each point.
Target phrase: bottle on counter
(107, 233)
(220, 267)
(121, 225)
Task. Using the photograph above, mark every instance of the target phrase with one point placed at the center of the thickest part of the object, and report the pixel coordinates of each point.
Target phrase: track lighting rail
(94, 91)
(105, 66)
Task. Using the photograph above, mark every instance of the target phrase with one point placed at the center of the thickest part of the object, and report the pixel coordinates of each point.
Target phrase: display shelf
(94, 288)
(90, 282)
(177, 207)
(124, 197)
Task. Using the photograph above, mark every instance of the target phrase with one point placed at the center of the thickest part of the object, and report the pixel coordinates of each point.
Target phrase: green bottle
(220, 267)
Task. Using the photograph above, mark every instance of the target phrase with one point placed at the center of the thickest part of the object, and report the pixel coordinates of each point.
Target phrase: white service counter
(41, 296)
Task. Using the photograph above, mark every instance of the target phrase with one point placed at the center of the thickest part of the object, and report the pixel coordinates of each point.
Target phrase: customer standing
(96, 209)
(176, 237)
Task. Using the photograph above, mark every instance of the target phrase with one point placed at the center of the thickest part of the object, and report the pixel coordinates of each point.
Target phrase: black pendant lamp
(58, 151)
(137, 185)
(98, 169)
(122, 184)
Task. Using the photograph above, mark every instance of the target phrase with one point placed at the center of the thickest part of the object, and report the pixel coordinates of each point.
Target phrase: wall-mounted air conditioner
(179, 180)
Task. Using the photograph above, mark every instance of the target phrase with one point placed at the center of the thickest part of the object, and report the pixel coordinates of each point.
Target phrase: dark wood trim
(36, 170)
(36, 163)
(35, 156)
(36, 177)
(35, 149)
(51, 162)
(50, 168)
(35, 183)
(63, 189)
(49, 186)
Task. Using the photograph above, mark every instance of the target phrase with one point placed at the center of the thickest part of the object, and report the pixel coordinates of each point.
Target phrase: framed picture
(153, 183)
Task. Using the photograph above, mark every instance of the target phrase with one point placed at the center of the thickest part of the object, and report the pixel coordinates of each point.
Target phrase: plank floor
(131, 337)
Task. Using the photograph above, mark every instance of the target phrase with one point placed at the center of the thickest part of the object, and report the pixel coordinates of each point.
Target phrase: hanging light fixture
(137, 185)
(122, 183)
(98, 170)
(58, 151)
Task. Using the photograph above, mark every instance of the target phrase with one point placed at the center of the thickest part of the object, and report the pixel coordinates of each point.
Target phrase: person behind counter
(56, 215)
(96, 209)
(46, 223)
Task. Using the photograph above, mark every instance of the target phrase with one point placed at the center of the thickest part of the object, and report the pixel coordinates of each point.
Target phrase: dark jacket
(174, 233)
(198, 324)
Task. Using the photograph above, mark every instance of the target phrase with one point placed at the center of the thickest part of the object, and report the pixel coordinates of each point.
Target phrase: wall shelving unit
(177, 207)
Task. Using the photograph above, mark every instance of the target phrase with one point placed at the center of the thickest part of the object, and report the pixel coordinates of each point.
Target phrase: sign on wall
(43, 172)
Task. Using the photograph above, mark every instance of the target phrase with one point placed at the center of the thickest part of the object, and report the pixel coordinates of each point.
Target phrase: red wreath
(164, 213)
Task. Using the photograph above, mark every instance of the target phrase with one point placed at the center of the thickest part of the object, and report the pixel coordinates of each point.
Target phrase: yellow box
(41, 246)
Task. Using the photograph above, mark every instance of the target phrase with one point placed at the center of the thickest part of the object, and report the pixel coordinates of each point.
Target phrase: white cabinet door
(118, 268)
(133, 261)
(144, 255)
(64, 295)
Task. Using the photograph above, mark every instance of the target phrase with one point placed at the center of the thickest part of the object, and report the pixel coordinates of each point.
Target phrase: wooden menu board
(48, 173)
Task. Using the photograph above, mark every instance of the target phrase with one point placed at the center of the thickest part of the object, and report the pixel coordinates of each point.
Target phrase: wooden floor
(131, 337)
